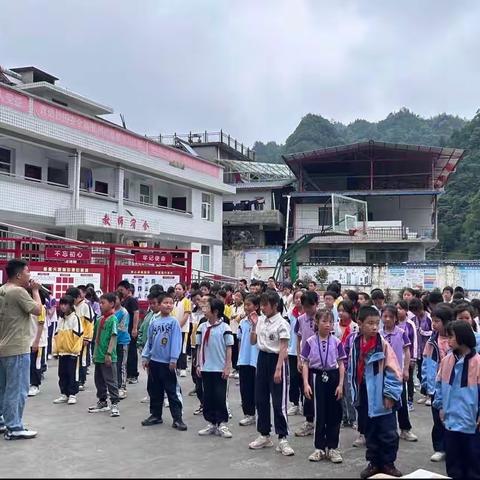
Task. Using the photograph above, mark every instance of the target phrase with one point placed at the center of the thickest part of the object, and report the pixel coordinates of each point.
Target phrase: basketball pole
(287, 222)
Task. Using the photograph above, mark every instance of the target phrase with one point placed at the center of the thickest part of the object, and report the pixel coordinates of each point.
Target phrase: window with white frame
(126, 188)
(146, 194)
(207, 206)
(5, 160)
(205, 258)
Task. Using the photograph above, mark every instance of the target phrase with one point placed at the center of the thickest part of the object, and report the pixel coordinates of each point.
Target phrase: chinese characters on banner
(153, 258)
(67, 254)
(130, 223)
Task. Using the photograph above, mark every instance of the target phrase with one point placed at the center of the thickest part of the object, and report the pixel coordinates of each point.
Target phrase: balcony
(266, 218)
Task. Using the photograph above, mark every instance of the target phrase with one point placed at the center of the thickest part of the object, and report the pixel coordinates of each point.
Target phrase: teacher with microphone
(16, 306)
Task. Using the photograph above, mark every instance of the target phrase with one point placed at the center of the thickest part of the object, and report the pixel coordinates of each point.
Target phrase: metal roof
(255, 171)
(263, 185)
(367, 193)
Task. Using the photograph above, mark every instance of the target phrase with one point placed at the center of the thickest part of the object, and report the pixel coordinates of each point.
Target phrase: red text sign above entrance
(153, 258)
(67, 254)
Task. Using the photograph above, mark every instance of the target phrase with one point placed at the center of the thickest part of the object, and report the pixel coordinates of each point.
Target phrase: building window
(207, 207)
(319, 255)
(179, 203)
(86, 178)
(5, 160)
(387, 256)
(101, 187)
(33, 172)
(146, 194)
(126, 188)
(58, 176)
(162, 201)
(205, 258)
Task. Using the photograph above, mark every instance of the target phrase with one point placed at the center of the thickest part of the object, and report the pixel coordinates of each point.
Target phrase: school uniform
(181, 307)
(51, 322)
(457, 394)
(269, 333)
(409, 326)
(37, 358)
(247, 366)
(213, 341)
(196, 318)
(398, 340)
(322, 356)
(424, 332)
(374, 373)
(123, 340)
(164, 345)
(85, 314)
(295, 386)
(236, 311)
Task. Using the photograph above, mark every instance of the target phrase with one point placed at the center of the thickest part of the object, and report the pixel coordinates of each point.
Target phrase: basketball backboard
(348, 214)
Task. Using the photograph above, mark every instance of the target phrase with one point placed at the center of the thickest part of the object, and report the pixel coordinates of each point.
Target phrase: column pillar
(76, 180)
(119, 192)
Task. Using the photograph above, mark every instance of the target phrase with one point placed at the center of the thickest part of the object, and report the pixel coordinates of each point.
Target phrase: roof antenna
(122, 118)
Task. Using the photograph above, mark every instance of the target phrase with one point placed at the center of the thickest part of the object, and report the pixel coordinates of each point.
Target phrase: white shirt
(270, 331)
(255, 275)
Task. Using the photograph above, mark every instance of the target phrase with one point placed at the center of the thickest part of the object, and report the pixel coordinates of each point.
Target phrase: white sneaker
(122, 394)
(20, 434)
(224, 431)
(305, 430)
(236, 375)
(317, 456)
(284, 448)
(208, 430)
(294, 410)
(248, 420)
(421, 400)
(334, 455)
(428, 402)
(33, 391)
(72, 400)
(61, 399)
(261, 442)
(438, 457)
(408, 436)
(229, 412)
(183, 373)
(145, 400)
(359, 442)
(114, 412)
(49, 356)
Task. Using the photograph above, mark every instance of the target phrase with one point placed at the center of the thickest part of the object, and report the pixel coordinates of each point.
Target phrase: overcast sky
(252, 67)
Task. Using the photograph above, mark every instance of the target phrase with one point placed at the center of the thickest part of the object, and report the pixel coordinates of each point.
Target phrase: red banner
(63, 254)
(164, 258)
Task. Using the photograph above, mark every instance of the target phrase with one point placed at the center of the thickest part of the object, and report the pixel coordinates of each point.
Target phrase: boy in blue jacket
(376, 387)
(159, 357)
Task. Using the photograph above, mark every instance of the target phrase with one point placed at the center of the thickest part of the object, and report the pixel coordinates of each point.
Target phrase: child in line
(271, 334)
(105, 357)
(323, 356)
(304, 329)
(331, 301)
(363, 299)
(247, 359)
(343, 329)
(400, 343)
(214, 360)
(195, 319)
(182, 311)
(67, 345)
(237, 314)
(159, 358)
(435, 351)
(466, 313)
(376, 382)
(123, 340)
(38, 347)
(295, 391)
(457, 400)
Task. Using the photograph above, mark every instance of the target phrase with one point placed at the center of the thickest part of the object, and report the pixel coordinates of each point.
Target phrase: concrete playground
(72, 443)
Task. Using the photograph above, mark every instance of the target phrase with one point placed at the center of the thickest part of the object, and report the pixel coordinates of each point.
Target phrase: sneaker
(305, 430)
(248, 420)
(122, 394)
(229, 412)
(359, 442)
(334, 455)
(284, 448)
(33, 391)
(145, 400)
(293, 410)
(411, 408)
(224, 431)
(428, 402)
(391, 470)
(317, 456)
(261, 441)
(421, 400)
(81, 387)
(438, 457)
(236, 375)
(20, 434)
(72, 400)
(208, 430)
(132, 381)
(3, 428)
(99, 407)
(151, 420)
(370, 471)
(198, 411)
(183, 373)
(179, 425)
(61, 399)
(114, 411)
(408, 436)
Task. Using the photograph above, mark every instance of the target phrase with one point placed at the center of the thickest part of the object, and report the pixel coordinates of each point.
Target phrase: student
(247, 359)
(304, 329)
(256, 274)
(410, 328)
(271, 334)
(433, 299)
(205, 287)
(407, 294)
(435, 351)
(214, 360)
(123, 340)
(159, 358)
(466, 313)
(447, 294)
(457, 400)
(68, 342)
(376, 382)
(182, 311)
(323, 356)
(342, 330)
(352, 295)
(295, 391)
(195, 317)
(287, 299)
(51, 322)
(398, 339)
(363, 298)
(105, 357)
(243, 286)
(329, 299)
(237, 315)
(272, 284)
(378, 299)
(312, 286)
(38, 348)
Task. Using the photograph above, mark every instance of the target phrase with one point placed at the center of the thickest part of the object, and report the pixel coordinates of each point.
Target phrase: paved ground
(74, 443)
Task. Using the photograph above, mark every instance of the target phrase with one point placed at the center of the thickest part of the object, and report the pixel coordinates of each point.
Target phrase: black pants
(265, 388)
(403, 416)
(419, 369)
(234, 352)
(328, 410)
(67, 374)
(162, 380)
(438, 432)
(247, 388)
(132, 360)
(197, 381)
(410, 383)
(295, 392)
(51, 332)
(106, 381)
(182, 360)
(85, 360)
(37, 360)
(214, 398)
(463, 453)
(309, 404)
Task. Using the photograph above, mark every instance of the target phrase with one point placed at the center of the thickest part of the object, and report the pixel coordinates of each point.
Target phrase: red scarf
(346, 332)
(365, 349)
(206, 338)
(295, 312)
